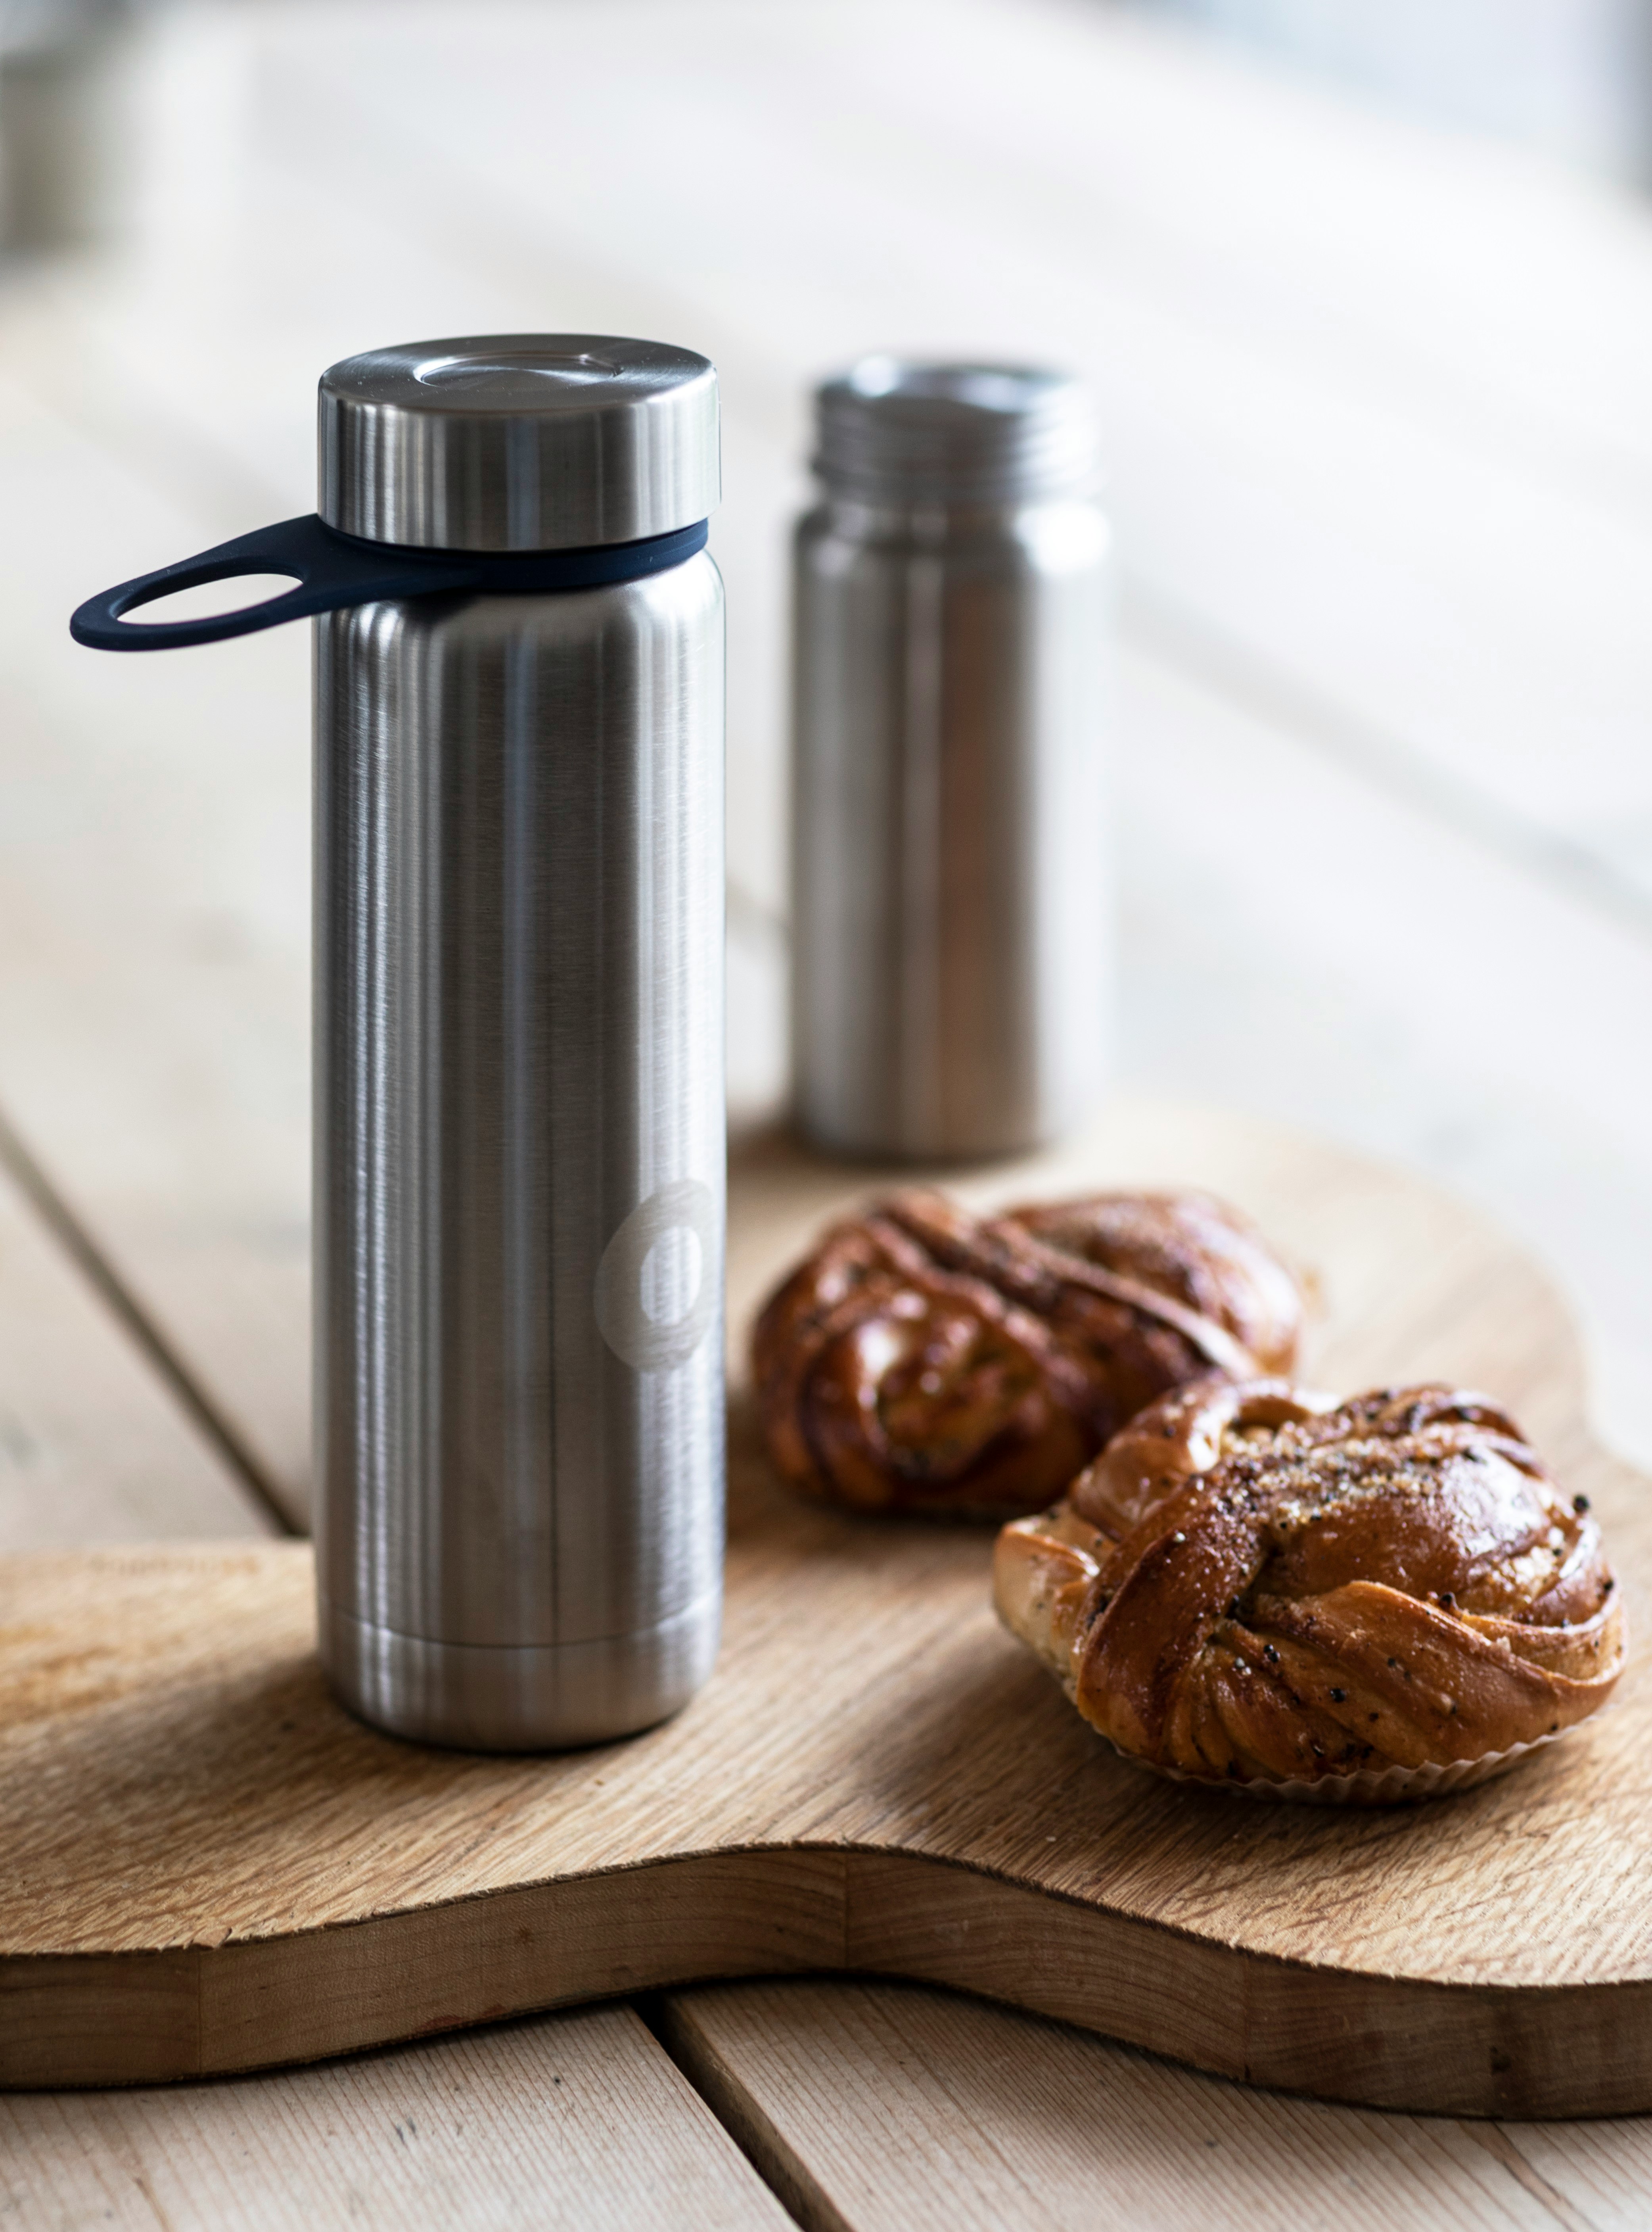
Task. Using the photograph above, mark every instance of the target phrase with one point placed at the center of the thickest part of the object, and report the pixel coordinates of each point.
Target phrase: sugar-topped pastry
(1260, 1586)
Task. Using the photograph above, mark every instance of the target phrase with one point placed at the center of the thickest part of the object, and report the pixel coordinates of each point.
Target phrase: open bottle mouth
(899, 429)
(1000, 387)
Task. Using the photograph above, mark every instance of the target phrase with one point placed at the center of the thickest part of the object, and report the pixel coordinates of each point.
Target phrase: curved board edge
(109, 2019)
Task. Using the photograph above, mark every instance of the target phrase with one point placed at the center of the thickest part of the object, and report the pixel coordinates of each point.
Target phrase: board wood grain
(208, 1865)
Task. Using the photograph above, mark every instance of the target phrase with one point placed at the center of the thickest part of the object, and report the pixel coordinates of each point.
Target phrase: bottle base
(870, 1141)
(518, 1698)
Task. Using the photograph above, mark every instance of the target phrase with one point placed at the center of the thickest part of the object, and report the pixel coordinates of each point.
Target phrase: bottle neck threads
(897, 433)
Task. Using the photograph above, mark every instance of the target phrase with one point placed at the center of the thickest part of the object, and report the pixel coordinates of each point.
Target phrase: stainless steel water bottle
(519, 1113)
(951, 957)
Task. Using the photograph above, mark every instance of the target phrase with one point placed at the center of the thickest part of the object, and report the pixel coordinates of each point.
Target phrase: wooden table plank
(92, 1447)
(1338, 959)
(890, 2108)
(1317, 438)
(154, 997)
(570, 2122)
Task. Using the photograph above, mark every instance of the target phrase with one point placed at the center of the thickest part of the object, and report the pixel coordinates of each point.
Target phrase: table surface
(1382, 470)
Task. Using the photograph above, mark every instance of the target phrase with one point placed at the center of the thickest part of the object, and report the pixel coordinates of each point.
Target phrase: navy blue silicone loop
(332, 570)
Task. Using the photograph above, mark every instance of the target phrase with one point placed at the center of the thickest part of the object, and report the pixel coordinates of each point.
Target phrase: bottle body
(950, 904)
(519, 1143)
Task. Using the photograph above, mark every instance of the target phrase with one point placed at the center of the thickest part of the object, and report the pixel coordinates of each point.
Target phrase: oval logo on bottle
(656, 1292)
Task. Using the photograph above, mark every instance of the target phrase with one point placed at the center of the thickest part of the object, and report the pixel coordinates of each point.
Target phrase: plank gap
(32, 1180)
(782, 2170)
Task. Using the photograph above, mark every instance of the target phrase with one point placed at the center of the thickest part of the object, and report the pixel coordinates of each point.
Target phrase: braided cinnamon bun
(1190, 1247)
(923, 1360)
(1259, 1586)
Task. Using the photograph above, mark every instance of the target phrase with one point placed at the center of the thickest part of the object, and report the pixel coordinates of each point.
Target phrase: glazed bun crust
(922, 1361)
(1190, 1247)
(1256, 1584)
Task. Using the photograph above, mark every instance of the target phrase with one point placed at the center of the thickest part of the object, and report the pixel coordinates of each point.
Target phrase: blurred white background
(1572, 76)
(1375, 392)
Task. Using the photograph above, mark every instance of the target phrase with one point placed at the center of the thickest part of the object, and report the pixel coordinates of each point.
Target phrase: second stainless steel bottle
(519, 1181)
(518, 1098)
(951, 959)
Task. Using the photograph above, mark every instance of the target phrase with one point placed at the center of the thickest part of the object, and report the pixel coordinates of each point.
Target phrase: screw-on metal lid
(954, 433)
(518, 442)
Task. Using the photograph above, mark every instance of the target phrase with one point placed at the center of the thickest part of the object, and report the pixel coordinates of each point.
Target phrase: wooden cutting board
(206, 1865)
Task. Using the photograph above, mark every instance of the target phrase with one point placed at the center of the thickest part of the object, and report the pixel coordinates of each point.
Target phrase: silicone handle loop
(332, 570)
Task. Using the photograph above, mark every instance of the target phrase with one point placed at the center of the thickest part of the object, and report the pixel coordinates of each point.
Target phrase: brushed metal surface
(951, 948)
(518, 442)
(519, 1182)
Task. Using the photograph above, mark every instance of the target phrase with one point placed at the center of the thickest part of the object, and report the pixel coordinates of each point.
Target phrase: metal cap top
(954, 433)
(518, 442)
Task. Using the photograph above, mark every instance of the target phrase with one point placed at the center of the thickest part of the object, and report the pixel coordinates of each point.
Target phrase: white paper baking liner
(1371, 1786)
